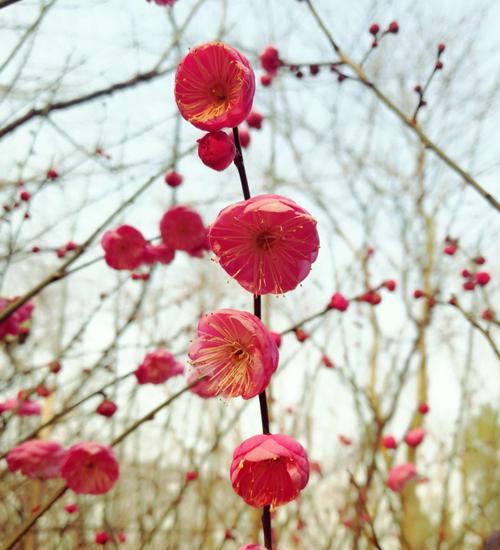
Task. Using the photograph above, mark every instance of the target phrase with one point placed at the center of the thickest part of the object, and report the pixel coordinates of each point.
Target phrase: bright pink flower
(214, 86)
(400, 475)
(236, 351)
(389, 442)
(15, 322)
(269, 469)
(101, 537)
(270, 60)
(37, 458)
(338, 301)
(414, 437)
(216, 150)
(157, 367)
(106, 408)
(267, 243)
(482, 278)
(124, 247)
(276, 336)
(450, 249)
(160, 253)
(182, 228)
(254, 120)
(90, 468)
(244, 137)
(21, 407)
(71, 507)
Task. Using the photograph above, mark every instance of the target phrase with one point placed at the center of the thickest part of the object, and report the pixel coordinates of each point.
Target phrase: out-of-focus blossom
(124, 247)
(216, 150)
(17, 321)
(400, 475)
(37, 458)
(157, 367)
(270, 60)
(90, 468)
(182, 228)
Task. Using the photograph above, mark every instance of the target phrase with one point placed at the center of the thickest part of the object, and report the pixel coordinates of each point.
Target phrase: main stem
(257, 309)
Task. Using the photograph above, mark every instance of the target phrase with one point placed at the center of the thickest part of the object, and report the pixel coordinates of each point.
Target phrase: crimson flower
(214, 86)
(157, 367)
(124, 247)
(269, 469)
(90, 468)
(270, 60)
(237, 353)
(182, 228)
(37, 458)
(267, 243)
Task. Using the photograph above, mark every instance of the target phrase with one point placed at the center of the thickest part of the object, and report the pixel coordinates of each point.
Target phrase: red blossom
(157, 367)
(254, 120)
(124, 247)
(414, 437)
(270, 60)
(339, 302)
(269, 469)
(173, 178)
(106, 408)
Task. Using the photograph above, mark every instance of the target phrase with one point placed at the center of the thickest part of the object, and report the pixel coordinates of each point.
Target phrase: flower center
(266, 240)
(218, 93)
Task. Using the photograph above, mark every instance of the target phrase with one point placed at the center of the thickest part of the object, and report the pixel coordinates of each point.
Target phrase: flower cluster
(181, 228)
(87, 467)
(16, 324)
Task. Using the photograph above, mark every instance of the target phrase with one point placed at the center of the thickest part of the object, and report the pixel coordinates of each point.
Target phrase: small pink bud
(423, 408)
(254, 120)
(106, 408)
(25, 196)
(374, 29)
(389, 442)
(469, 285)
(439, 65)
(52, 174)
(339, 302)
(71, 507)
(191, 475)
(390, 285)
(35, 249)
(482, 278)
(418, 294)
(450, 249)
(101, 537)
(414, 437)
(266, 80)
(393, 27)
(487, 315)
(418, 89)
(441, 48)
(465, 273)
(327, 362)
(480, 260)
(55, 367)
(314, 69)
(173, 178)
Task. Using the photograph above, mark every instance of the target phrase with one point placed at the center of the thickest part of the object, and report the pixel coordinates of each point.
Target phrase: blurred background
(89, 124)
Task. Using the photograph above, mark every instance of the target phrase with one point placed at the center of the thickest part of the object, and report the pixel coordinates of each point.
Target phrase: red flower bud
(301, 335)
(216, 150)
(374, 29)
(482, 278)
(393, 27)
(423, 408)
(254, 120)
(266, 80)
(173, 178)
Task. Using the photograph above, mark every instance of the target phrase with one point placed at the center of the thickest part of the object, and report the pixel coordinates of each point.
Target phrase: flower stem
(257, 309)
